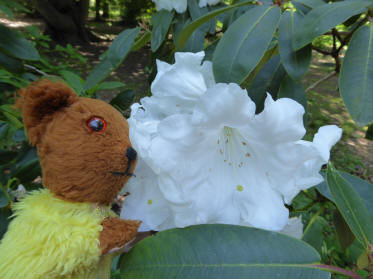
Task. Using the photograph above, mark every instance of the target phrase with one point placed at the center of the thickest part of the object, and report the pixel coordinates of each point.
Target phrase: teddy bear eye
(96, 124)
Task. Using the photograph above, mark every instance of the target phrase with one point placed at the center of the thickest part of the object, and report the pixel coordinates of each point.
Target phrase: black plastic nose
(131, 154)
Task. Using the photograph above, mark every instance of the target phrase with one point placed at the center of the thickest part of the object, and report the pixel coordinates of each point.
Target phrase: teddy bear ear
(39, 101)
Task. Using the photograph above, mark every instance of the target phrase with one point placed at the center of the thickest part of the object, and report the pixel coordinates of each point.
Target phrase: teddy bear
(67, 229)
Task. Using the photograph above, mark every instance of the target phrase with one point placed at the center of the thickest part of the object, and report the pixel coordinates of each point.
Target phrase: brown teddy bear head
(83, 144)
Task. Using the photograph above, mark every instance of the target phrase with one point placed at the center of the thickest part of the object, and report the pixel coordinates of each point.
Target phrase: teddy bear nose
(131, 154)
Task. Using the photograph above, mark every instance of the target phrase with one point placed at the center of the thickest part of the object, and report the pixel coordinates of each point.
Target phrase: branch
(312, 86)
(35, 70)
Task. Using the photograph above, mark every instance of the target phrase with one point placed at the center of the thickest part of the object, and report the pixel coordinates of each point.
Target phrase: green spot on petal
(239, 188)
(150, 201)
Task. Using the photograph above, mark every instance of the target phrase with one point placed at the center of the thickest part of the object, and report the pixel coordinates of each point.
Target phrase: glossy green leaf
(17, 46)
(186, 32)
(244, 44)
(4, 201)
(356, 78)
(142, 41)
(28, 167)
(123, 100)
(161, 22)
(115, 55)
(344, 233)
(294, 90)
(108, 85)
(196, 41)
(73, 80)
(323, 18)
(220, 251)
(351, 206)
(311, 3)
(268, 80)
(6, 156)
(296, 63)
(197, 12)
(5, 214)
(362, 187)
(10, 63)
(266, 57)
(313, 232)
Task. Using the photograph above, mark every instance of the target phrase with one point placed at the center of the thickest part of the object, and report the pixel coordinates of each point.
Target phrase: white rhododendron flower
(204, 3)
(294, 227)
(205, 157)
(180, 6)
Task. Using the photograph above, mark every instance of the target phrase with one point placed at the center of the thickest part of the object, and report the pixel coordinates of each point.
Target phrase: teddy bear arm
(117, 232)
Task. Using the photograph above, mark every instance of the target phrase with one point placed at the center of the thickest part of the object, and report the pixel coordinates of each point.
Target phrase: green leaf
(16, 45)
(268, 80)
(311, 3)
(6, 10)
(351, 206)
(4, 201)
(195, 42)
(184, 35)
(244, 44)
(344, 233)
(11, 115)
(10, 63)
(220, 251)
(323, 18)
(266, 57)
(356, 78)
(161, 22)
(107, 85)
(362, 187)
(115, 55)
(5, 214)
(28, 167)
(123, 100)
(197, 12)
(143, 40)
(73, 80)
(6, 156)
(313, 233)
(296, 63)
(294, 90)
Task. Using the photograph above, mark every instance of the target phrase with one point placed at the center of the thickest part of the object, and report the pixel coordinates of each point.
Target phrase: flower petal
(223, 105)
(179, 5)
(204, 3)
(294, 227)
(146, 202)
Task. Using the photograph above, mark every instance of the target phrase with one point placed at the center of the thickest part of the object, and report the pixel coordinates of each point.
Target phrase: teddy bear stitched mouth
(131, 155)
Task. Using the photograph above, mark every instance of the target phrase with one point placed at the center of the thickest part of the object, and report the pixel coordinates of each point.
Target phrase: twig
(312, 86)
(35, 69)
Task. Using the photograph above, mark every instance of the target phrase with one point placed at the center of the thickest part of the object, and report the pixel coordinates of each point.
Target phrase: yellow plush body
(53, 238)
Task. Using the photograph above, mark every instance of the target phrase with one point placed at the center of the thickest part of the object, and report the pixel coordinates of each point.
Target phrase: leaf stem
(339, 270)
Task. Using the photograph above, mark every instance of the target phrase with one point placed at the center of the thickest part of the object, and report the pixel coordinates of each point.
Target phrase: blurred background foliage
(85, 42)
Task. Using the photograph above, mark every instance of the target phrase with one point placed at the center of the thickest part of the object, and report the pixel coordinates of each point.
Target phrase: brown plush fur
(78, 164)
(110, 238)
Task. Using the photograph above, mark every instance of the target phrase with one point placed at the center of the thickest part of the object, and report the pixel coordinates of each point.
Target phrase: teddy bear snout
(131, 154)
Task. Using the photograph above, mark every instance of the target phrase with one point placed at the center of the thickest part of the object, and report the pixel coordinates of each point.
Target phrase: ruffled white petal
(146, 202)
(179, 5)
(294, 227)
(204, 3)
(212, 159)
